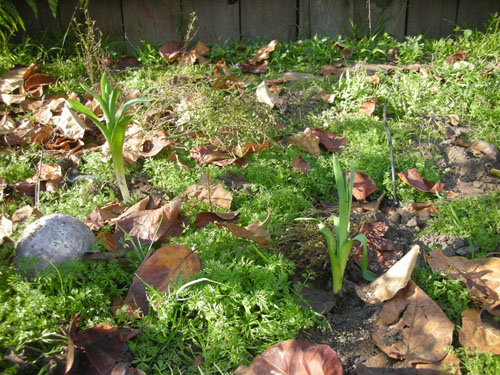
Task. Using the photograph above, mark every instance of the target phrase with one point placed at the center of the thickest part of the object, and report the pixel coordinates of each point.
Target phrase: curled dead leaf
(266, 96)
(170, 50)
(204, 218)
(372, 80)
(457, 56)
(386, 286)
(306, 141)
(413, 178)
(412, 327)
(477, 334)
(36, 80)
(332, 142)
(363, 185)
(263, 52)
(254, 232)
(220, 69)
(255, 68)
(487, 148)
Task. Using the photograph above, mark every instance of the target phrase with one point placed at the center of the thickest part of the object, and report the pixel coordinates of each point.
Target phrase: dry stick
(208, 189)
(389, 139)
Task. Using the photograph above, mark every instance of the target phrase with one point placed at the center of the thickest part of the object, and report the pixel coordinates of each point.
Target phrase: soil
(350, 318)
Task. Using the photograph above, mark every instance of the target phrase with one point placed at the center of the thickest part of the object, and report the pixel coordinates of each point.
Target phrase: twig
(37, 186)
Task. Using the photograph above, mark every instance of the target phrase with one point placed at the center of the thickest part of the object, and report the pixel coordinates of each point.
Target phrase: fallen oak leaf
(263, 52)
(413, 178)
(255, 68)
(301, 165)
(292, 357)
(457, 56)
(170, 50)
(306, 141)
(363, 185)
(220, 69)
(37, 80)
(159, 271)
(229, 82)
(421, 207)
(368, 107)
(333, 143)
(412, 327)
(254, 232)
(204, 218)
(479, 335)
(207, 192)
(481, 276)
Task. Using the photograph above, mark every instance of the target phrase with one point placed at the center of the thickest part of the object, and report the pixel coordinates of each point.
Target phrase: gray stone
(51, 239)
(449, 251)
(458, 243)
(412, 222)
(423, 218)
(405, 216)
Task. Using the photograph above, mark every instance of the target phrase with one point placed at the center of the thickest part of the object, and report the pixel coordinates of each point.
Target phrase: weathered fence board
(431, 18)
(150, 20)
(218, 21)
(388, 15)
(475, 13)
(107, 15)
(331, 17)
(276, 19)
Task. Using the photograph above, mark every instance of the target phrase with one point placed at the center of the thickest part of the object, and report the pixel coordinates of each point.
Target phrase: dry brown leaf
(207, 192)
(421, 207)
(293, 357)
(449, 365)
(170, 50)
(301, 165)
(71, 125)
(457, 56)
(481, 276)
(263, 52)
(363, 185)
(255, 232)
(487, 148)
(46, 172)
(333, 143)
(266, 96)
(345, 51)
(372, 80)
(10, 99)
(149, 226)
(6, 228)
(160, 271)
(412, 327)
(220, 69)
(255, 68)
(393, 54)
(386, 286)
(125, 62)
(329, 70)
(454, 120)
(175, 159)
(204, 218)
(108, 241)
(250, 148)
(37, 80)
(413, 178)
(479, 335)
(229, 82)
(197, 53)
(329, 98)
(102, 216)
(368, 107)
(294, 76)
(23, 214)
(210, 154)
(306, 141)
(13, 80)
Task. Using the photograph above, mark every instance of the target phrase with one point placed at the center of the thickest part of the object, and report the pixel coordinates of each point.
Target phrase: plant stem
(119, 167)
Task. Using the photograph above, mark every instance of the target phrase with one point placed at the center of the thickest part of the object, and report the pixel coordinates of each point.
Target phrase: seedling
(115, 126)
(339, 246)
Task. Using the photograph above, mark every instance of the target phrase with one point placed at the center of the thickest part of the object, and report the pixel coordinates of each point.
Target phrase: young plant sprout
(115, 126)
(339, 245)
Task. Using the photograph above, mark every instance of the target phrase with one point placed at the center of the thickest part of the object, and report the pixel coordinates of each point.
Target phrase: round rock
(53, 238)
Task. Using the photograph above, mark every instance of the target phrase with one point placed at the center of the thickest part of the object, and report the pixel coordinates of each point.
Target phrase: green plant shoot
(115, 126)
(339, 246)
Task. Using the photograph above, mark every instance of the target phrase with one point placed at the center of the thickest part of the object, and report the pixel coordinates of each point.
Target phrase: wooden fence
(219, 21)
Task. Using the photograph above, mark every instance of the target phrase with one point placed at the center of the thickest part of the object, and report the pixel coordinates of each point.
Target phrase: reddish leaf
(457, 56)
(255, 232)
(382, 252)
(170, 50)
(36, 80)
(204, 218)
(293, 357)
(345, 51)
(159, 271)
(250, 148)
(418, 208)
(368, 107)
(108, 241)
(255, 68)
(197, 53)
(328, 70)
(301, 165)
(263, 52)
(413, 178)
(125, 62)
(330, 141)
(209, 154)
(363, 186)
(99, 217)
